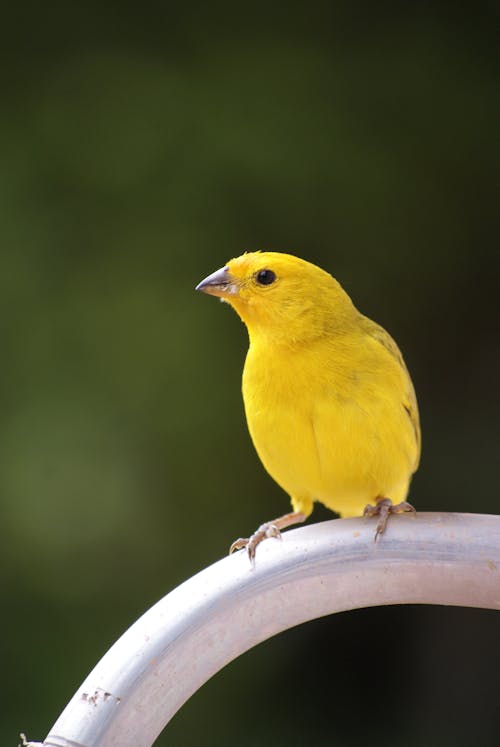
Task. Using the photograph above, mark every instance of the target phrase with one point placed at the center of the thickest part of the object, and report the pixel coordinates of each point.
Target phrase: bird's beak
(220, 283)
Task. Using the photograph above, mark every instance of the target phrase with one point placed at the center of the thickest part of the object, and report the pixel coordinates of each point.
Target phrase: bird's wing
(409, 399)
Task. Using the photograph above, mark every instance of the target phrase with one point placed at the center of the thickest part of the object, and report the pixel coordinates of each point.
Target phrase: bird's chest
(276, 391)
(280, 397)
(283, 388)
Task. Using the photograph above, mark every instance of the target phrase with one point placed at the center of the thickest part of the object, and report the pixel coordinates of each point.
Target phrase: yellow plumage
(329, 401)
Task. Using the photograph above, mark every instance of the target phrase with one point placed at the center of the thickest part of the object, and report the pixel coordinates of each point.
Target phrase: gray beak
(219, 283)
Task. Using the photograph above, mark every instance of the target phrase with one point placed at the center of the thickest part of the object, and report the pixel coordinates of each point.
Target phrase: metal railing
(196, 629)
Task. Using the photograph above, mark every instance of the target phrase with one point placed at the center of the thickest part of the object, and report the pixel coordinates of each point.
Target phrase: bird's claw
(266, 530)
(239, 544)
(383, 509)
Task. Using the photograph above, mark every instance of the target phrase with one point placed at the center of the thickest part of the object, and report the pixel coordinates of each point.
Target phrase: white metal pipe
(224, 610)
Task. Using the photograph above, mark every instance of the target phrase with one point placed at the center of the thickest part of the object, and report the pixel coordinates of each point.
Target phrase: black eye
(265, 277)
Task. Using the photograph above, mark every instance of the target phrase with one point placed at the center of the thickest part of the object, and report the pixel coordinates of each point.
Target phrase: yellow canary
(329, 402)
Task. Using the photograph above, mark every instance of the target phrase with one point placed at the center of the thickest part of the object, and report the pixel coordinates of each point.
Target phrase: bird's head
(281, 296)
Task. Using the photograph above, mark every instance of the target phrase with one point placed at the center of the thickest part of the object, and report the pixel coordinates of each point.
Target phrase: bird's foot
(268, 529)
(383, 508)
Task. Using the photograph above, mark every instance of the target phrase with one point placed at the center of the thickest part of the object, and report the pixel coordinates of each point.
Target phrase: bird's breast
(280, 398)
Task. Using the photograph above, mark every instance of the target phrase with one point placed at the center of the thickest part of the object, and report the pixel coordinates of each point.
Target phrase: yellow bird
(329, 401)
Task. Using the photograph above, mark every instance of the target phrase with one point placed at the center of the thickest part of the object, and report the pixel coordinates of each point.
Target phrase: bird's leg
(383, 508)
(268, 529)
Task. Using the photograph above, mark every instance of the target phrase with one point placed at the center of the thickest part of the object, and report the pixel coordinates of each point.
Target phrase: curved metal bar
(224, 610)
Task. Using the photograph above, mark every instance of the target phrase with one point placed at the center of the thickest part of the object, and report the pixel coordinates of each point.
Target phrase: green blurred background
(140, 148)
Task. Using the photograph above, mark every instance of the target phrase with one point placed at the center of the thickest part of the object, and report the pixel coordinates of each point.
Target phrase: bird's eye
(265, 277)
